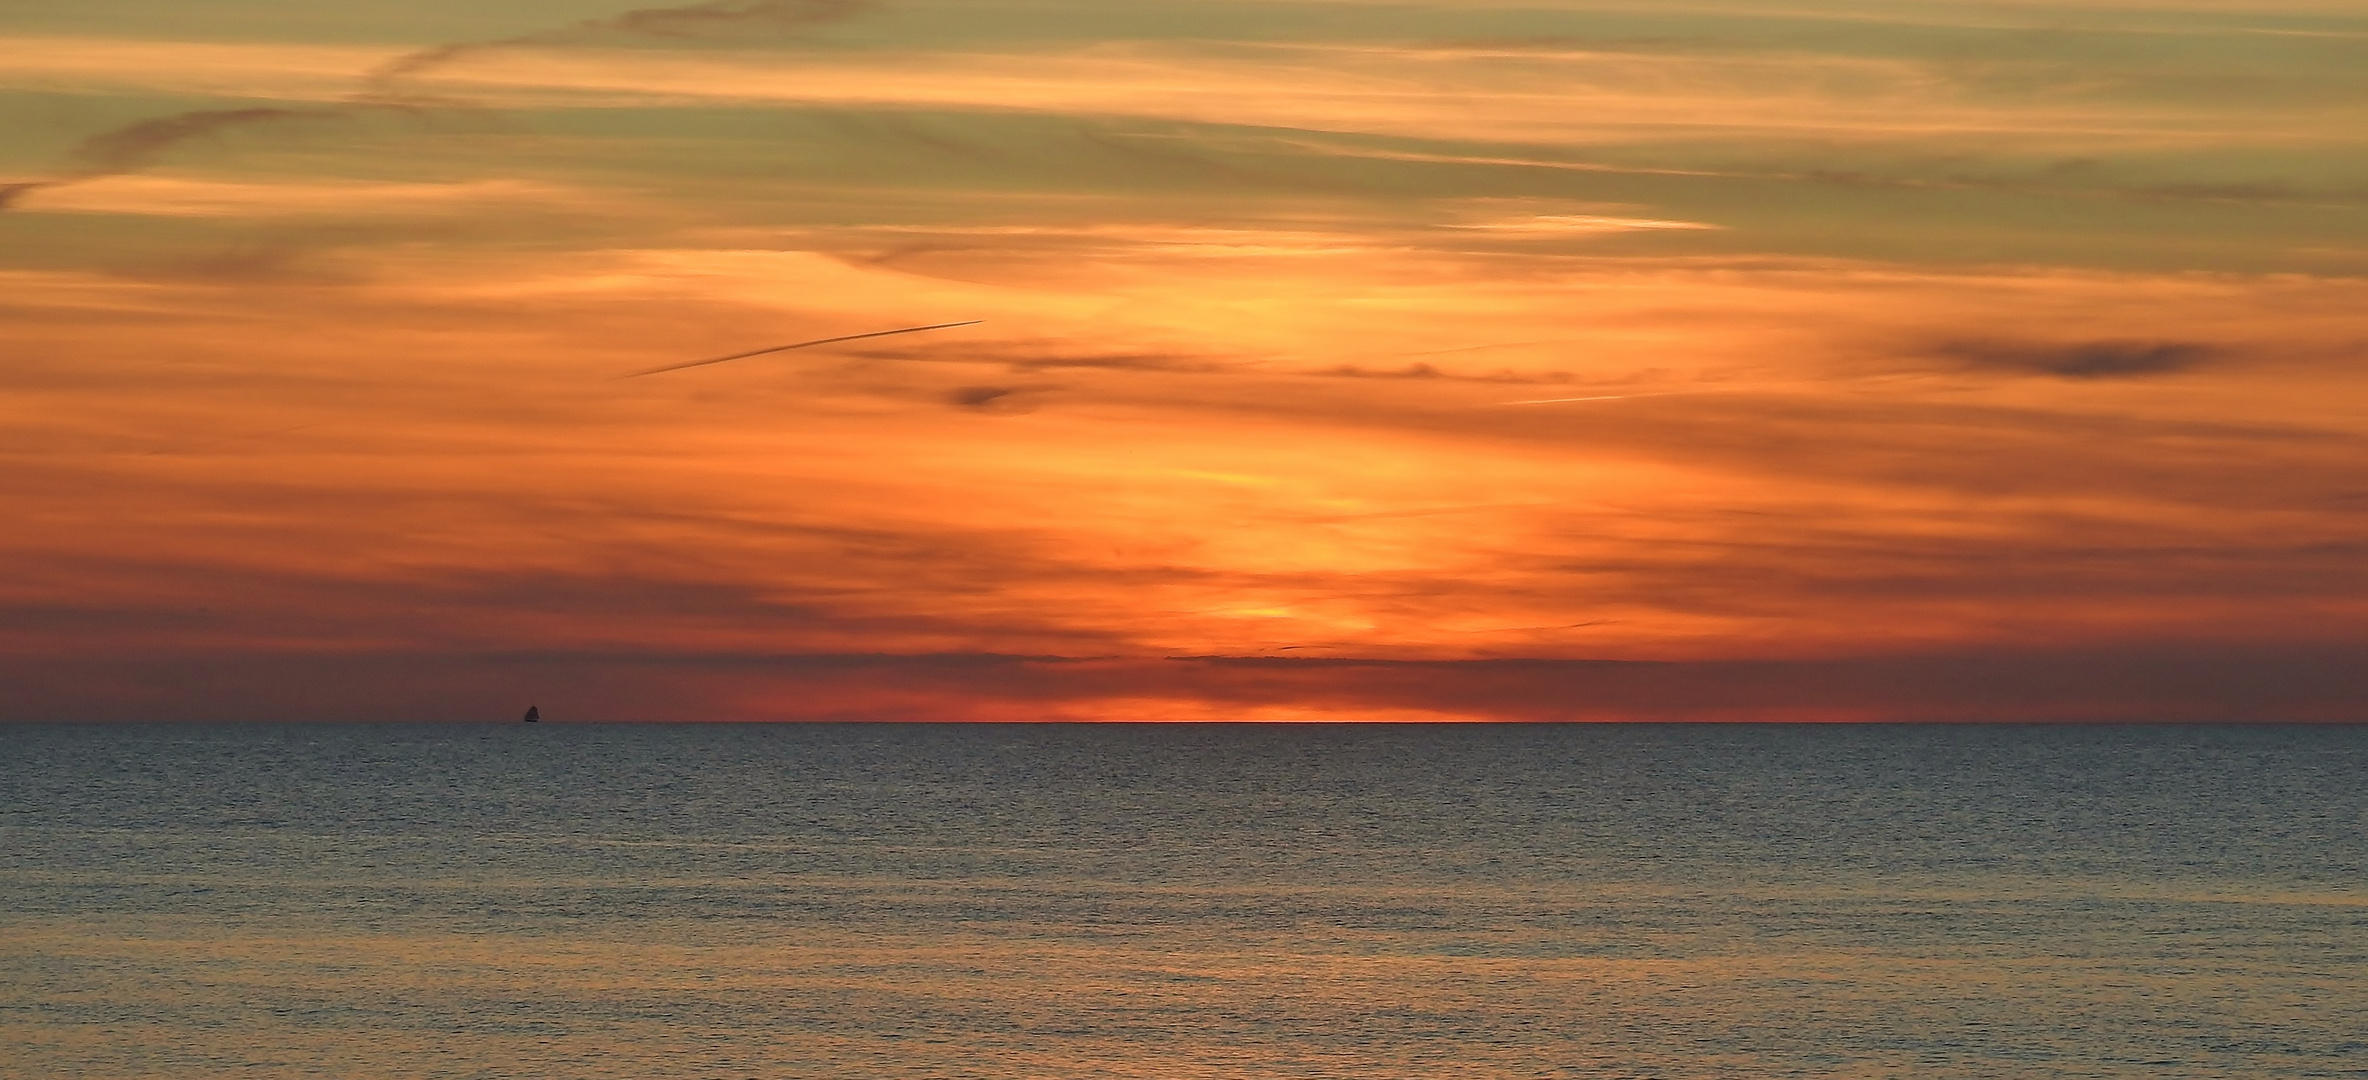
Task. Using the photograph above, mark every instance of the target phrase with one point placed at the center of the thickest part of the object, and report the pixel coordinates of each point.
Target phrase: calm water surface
(1067, 901)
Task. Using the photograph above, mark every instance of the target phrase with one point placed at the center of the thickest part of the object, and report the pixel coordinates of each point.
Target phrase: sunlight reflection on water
(851, 901)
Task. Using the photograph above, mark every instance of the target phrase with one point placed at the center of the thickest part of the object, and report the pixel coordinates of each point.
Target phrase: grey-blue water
(1188, 901)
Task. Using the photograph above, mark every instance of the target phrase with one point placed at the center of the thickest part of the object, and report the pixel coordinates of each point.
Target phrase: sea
(1182, 901)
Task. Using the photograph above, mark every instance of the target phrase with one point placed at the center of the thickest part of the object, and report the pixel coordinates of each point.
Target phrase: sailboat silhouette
(533, 714)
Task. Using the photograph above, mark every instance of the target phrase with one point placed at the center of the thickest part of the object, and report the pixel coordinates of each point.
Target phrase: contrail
(801, 345)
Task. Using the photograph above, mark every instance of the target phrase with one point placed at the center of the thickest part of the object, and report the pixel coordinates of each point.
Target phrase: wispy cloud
(2084, 359)
(1567, 224)
(141, 143)
(394, 79)
(186, 196)
(1523, 96)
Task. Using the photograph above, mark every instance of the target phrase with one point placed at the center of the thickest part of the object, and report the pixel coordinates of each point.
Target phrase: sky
(1333, 360)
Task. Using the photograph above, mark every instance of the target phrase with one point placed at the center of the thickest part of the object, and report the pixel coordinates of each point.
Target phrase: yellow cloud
(1412, 91)
(186, 196)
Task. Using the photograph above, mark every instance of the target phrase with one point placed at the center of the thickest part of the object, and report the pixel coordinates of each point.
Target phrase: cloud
(2175, 682)
(275, 70)
(1204, 494)
(11, 193)
(994, 399)
(2111, 359)
(688, 22)
(137, 145)
(1580, 98)
(174, 196)
(1501, 376)
(1557, 225)
(141, 143)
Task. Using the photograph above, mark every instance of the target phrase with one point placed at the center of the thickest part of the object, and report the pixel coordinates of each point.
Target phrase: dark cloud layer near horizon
(2185, 684)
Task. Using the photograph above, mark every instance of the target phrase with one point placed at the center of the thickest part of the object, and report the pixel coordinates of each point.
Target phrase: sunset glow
(1552, 359)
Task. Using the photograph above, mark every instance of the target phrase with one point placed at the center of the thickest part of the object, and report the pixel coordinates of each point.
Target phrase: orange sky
(1520, 360)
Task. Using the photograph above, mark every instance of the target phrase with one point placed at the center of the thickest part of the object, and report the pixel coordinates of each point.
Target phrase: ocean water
(1191, 901)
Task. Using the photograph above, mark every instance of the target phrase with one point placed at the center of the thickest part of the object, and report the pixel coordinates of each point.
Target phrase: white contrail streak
(801, 345)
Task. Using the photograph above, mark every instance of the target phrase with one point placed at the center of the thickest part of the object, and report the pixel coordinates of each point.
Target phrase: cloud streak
(2084, 359)
(717, 18)
(137, 145)
(141, 144)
